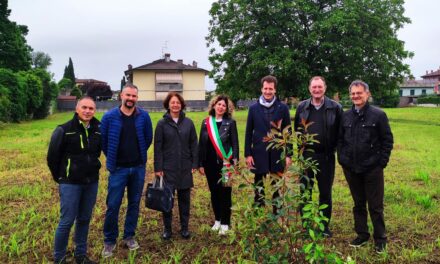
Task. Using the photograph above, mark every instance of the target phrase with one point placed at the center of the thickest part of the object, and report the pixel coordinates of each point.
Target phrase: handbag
(159, 196)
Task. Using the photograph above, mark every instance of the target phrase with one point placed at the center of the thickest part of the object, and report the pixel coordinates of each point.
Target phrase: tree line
(342, 40)
(26, 87)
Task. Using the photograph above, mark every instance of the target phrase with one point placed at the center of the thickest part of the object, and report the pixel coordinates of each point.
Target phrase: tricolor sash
(214, 136)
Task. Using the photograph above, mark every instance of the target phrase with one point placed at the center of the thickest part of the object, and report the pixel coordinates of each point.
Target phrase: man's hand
(202, 170)
(250, 162)
(158, 173)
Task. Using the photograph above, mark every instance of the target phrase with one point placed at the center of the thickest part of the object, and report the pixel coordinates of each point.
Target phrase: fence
(151, 106)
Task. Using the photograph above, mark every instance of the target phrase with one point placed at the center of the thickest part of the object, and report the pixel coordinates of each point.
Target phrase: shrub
(278, 233)
(430, 99)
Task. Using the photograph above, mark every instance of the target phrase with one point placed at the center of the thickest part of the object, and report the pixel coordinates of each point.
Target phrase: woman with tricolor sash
(218, 154)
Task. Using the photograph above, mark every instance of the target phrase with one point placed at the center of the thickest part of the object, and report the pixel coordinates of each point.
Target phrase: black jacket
(73, 154)
(175, 150)
(365, 139)
(228, 136)
(333, 114)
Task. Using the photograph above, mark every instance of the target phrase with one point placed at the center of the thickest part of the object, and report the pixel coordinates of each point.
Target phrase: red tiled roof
(432, 74)
(66, 97)
(88, 80)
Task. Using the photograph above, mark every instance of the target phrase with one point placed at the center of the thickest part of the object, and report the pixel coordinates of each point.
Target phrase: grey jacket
(175, 150)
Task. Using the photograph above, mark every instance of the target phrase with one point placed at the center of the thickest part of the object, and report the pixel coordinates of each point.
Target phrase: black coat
(228, 136)
(333, 114)
(257, 127)
(365, 139)
(73, 154)
(175, 150)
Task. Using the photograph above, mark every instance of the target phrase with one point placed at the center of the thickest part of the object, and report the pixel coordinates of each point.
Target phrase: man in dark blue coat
(264, 115)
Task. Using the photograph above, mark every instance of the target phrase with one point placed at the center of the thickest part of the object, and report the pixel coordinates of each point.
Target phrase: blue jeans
(133, 178)
(76, 205)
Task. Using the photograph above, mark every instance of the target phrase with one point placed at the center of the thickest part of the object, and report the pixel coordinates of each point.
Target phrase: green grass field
(29, 202)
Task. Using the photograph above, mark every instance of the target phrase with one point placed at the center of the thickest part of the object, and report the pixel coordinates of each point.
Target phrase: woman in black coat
(175, 158)
(218, 152)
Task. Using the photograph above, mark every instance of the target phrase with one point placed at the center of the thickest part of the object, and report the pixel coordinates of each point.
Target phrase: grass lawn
(29, 202)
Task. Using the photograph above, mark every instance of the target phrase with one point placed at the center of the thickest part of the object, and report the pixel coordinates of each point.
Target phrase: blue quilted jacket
(111, 124)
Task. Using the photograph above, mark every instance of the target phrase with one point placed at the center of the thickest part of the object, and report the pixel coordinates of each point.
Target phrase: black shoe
(358, 242)
(166, 235)
(185, 234)
(327, 233)
(62, 261)
(83, 260)
(380, 247)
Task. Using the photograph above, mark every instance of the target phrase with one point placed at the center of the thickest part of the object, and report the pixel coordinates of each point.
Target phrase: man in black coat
(73, 160)
(264, 115)
(364, 149)
(325, 115)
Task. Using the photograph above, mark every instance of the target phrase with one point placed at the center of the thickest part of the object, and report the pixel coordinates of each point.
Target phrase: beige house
(154, 80)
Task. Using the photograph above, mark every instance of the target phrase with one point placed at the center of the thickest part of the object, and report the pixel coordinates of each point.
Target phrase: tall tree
(14, 51)
(50, 92)
(341, 40)
(69, 72)
(41, 60)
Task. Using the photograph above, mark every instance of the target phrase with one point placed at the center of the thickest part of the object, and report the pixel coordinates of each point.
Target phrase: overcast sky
(103, 37)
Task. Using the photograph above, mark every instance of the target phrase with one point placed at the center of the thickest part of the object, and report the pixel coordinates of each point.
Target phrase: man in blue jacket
(127, 134)
(264, 115)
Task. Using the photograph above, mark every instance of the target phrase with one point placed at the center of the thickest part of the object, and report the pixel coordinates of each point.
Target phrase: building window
(423, 91)
(400, 92)
(411, 92)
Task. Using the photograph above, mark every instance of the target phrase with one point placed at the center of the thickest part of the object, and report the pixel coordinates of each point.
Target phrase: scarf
(214, 136)
(265, 103)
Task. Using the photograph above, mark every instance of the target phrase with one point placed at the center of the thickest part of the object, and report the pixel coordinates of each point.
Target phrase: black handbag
(159, 196)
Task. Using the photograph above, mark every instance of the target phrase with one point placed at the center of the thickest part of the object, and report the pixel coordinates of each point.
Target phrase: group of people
(361, 136)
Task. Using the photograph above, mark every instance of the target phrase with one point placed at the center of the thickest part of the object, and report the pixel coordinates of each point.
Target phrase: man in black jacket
(325, 115)
(73, 160)
(364, 149)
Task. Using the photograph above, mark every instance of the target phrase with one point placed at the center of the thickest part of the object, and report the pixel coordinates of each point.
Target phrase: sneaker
(223, 230)
(61, 261)
(185, 233)
(327, 233)
(380, 247)
(358, 242)
(166, 235)
(108, 250)
(131, 243)
(83, 260)
(216, 226)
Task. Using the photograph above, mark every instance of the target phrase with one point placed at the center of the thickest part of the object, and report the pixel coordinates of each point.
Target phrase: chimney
(180, 61)
(167, 57)
(426, 72)
(130, 67)
(194, 64)
(432, 71)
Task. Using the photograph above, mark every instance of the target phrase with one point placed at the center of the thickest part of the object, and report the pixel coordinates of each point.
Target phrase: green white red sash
(214, 136)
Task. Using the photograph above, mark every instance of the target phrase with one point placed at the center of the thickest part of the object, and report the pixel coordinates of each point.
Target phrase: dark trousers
(259, 192)
(368, 187)
(220, 196)
(324, 177)
(184, 199)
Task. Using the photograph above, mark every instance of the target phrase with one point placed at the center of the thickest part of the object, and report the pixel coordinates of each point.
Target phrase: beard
(129, 106)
